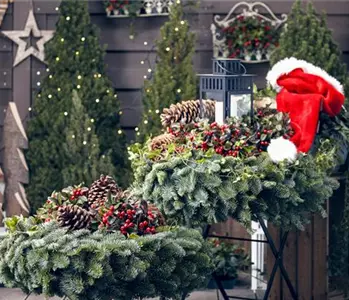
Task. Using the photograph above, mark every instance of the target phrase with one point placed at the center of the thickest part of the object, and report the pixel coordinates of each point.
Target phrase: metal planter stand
(277, 253)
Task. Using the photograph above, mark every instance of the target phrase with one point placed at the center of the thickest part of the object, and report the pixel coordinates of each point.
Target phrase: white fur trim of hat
(281, 149)
(287, 65)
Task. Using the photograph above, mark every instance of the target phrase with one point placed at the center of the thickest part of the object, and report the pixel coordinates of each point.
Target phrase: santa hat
(303, 91)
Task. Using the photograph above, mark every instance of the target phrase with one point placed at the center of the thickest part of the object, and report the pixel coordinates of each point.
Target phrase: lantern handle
(228, 71)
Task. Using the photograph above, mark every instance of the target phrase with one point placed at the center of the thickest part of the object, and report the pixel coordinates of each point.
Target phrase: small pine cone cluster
(99, 190)
(162, 141)
(73, 217)
(187, 112)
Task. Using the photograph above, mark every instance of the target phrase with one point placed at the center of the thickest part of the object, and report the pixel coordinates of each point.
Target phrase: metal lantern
(230, 86)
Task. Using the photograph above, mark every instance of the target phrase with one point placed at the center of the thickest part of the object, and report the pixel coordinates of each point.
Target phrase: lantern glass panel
(219, 105)
(240, 105)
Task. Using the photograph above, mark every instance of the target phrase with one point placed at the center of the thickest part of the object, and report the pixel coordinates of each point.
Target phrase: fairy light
(77, 53)
(142, 62)
(149, 110)
(50, 96)
(84, 142)
(83, 39)
(97, 100)
(168, 49)
(38, 73)
(65, 113)
(108, 91)
(99, 75)
(89, 129)
(148, 90)
(145, 43)
(138, 133)
(119, 131)
(47, 70)
(95, 75)
(120, 112)
(78, 86)
(157, 111)
(67, 18)
(73, 136)
(57, 58)
(136, 129)
(50, 76)
(182, 22)
(58, 89)
(30, 109)
(176, 29)
(115, 95)
(62, 40)
(38, 83)
(79, 77)
(179, 90)
(131, 36)
(57, 8)
(145, 76)
(145, 121)
(92, 120)
(149, 70)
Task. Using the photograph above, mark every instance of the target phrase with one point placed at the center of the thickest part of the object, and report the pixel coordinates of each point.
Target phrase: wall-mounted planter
(250, 36)
(145, 8)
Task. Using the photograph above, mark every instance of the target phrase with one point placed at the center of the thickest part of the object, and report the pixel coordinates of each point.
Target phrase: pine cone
(98, 192)
(73, 217)
(162, 141)
(187, 112)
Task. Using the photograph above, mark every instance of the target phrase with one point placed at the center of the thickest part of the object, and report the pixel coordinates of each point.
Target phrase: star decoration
(30, 32)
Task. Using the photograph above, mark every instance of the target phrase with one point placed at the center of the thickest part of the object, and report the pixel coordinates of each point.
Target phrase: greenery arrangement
(174, 78)
(250, 36)
(304, 25)
(206, 175)
(76, 62)
(101, 243)
(123, 7)
(228, 259)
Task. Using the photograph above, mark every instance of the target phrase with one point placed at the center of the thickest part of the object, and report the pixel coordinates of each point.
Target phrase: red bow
(301, 96)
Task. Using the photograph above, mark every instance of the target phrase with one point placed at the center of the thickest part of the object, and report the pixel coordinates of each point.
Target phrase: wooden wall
(124, 55)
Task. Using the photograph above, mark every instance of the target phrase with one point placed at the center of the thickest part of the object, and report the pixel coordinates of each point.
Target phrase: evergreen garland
(46, 259)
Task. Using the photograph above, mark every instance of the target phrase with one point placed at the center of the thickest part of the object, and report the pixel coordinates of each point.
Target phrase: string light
(136, 129)
(92, 120)
(73, 136)
(182, 22)
(157, 111)
(95, 75)
(149, 70)
(50, 76)
(131, 36)
(115, 95)
(149, 110)
(79, 77)
(57, 58)
(176, 29)
(50, 96)
(145, 43)
(119, 131)
(108, 91)
(77, 53)
(39, 95)
(65, 113)
(168, 49)
(58, 89)
(103, 156)
(138, 133)
(57, 8)
(67, 18)
(148, 90)
(84, 142)
(38, 83)
(47, 70)
(97, 100)
(179, 90)
(78, 86)
(62, 40)
(145, 76)
(145, 121)
(89, 129)
(38, 73)
(83, 39)
(99, 75)
(120, 112)
(30, 109)
(142, 62)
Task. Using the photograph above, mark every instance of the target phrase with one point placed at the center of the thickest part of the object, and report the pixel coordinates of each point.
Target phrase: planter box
(228, 284)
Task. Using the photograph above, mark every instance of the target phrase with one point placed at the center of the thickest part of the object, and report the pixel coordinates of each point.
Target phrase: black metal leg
(278, 259)
(220, 287)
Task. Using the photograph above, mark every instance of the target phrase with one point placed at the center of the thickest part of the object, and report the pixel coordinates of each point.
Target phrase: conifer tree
(75, 61)
(306, 36)
(174, 78)
(83, 162)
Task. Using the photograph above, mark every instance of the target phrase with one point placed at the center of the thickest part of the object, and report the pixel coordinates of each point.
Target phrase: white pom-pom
(281, 149)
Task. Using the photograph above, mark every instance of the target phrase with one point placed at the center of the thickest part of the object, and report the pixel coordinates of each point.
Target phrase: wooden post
(15, 167)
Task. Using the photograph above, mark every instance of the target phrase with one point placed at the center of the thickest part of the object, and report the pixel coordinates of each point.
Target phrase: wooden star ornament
(31, 30)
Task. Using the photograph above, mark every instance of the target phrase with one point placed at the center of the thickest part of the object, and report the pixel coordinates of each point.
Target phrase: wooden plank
(46, 7)
(320, 253)
(305, 263)
(5, 97)
(333, 7)
(131, 107)
(290, 262)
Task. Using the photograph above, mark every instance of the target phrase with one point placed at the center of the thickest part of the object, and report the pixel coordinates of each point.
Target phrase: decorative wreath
(276, 166)
(102, 243)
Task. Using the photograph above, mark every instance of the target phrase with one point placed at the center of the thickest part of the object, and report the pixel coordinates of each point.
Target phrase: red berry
(129, 211)
(47, 220)
(122, 228)
(145, 223)
(72, 197)
(128, 221)
(148, 230)
(153, 230)
(131, 224)
(124, 205)
(112, 208)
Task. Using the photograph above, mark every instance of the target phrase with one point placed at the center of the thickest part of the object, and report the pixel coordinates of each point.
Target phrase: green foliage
(174, 78)
(82, 265)
(308, 37)
(199, 188)
(83, 162)
(76, 61)
(228, 259)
